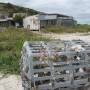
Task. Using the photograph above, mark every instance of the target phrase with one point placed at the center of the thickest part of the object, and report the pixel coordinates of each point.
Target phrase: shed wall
(31, 23)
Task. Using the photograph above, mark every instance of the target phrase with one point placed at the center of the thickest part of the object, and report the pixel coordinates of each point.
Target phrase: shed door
(28, 26)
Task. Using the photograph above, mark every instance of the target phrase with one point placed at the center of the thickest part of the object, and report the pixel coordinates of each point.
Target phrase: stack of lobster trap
(55, 65)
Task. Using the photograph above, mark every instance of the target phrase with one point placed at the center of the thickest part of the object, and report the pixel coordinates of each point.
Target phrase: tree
(18, 19)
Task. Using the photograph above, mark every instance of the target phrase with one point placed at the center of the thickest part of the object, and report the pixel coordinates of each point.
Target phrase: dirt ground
(69, 36)
(12, 82)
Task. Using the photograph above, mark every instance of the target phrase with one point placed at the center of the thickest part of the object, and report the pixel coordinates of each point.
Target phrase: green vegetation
(61, 29)
(7, 7)
(11, 41)
(18, 19)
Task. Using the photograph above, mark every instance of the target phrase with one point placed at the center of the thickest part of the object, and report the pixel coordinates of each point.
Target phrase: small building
(39, 21)
(5, 20)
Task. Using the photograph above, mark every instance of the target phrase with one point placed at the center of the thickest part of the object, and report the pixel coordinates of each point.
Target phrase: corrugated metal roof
(7, 19)
(59, 15)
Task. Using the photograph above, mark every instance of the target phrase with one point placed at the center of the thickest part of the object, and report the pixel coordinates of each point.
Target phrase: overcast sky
(79, 9)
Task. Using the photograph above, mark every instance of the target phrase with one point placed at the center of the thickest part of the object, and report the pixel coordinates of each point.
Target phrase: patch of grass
(11, 41)
(62, 29)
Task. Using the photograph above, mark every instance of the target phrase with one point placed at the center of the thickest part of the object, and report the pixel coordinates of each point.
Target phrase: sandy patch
(68, 36)
(10, 82)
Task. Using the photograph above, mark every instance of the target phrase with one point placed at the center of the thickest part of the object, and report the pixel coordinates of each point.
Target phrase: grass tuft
(11, 41)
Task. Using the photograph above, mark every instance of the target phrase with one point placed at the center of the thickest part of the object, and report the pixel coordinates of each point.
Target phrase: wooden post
(34, 86)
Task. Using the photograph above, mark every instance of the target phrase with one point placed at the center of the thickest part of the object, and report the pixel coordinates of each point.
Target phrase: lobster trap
(55, 65)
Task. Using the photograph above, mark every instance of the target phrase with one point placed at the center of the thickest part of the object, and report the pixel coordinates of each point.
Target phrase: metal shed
(39, 21)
